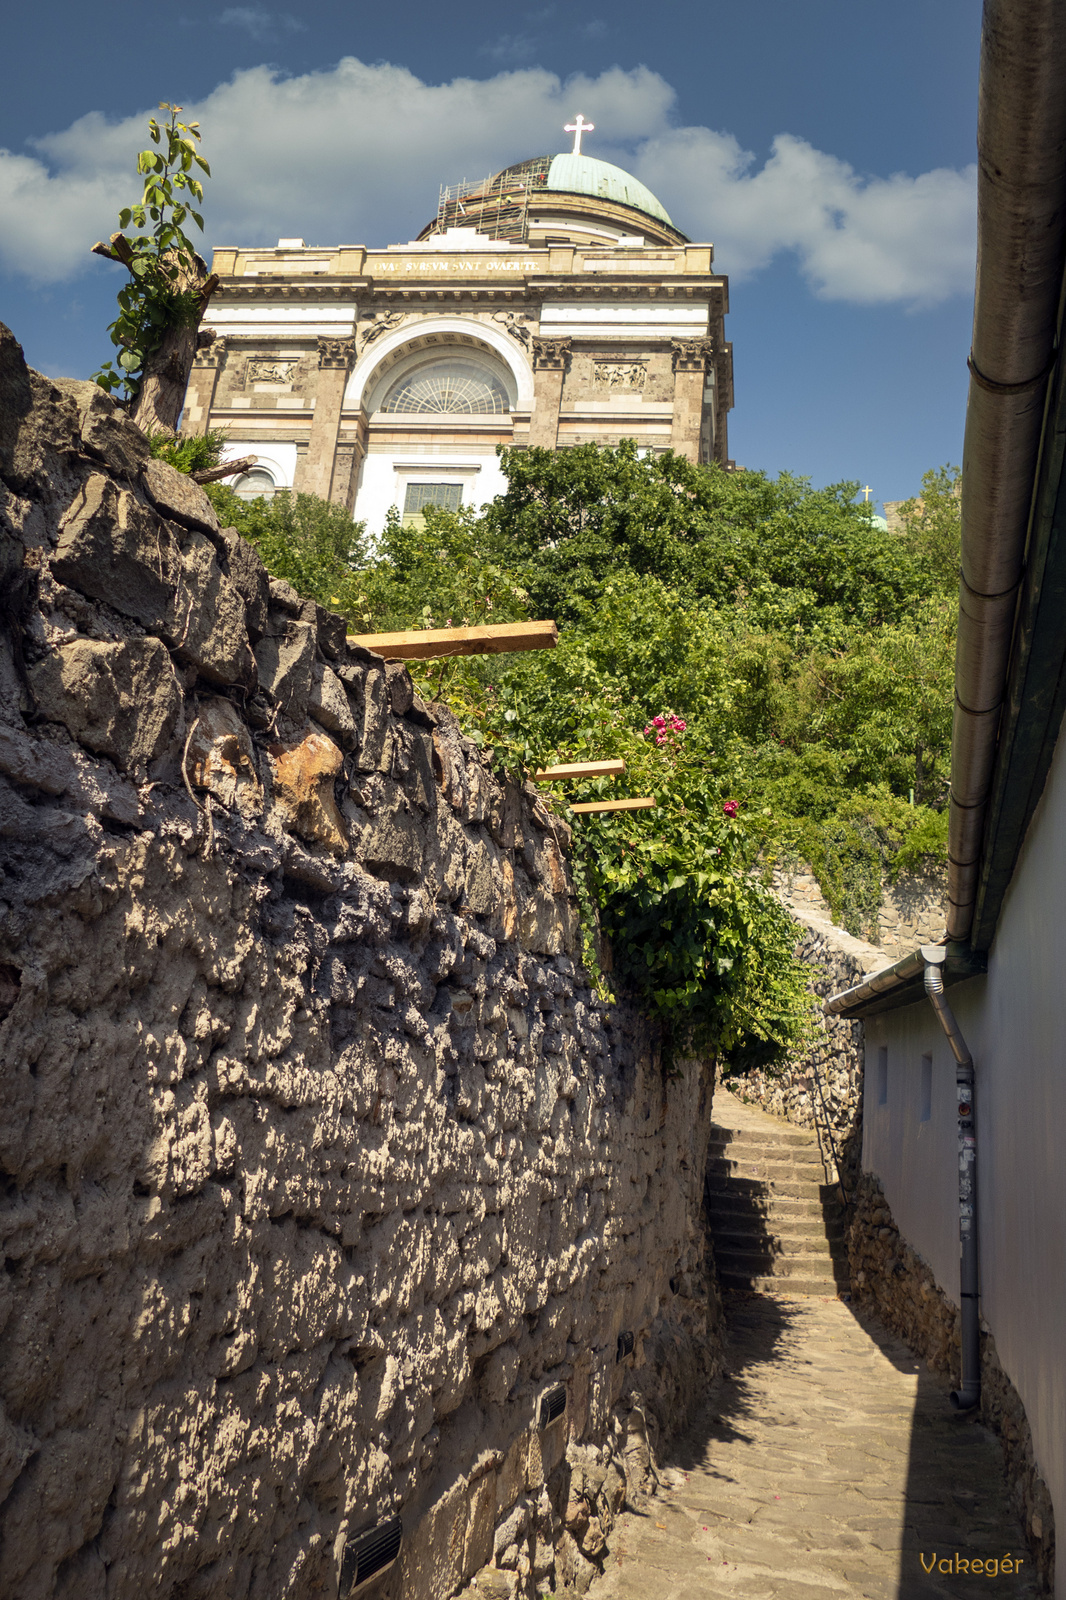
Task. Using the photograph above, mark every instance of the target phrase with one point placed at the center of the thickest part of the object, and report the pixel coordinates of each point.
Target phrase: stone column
(551, 359)
(690, 358)
(314, 474)
(200, 394)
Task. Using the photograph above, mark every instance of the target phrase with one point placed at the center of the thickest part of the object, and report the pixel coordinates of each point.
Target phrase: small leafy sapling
(156, 331)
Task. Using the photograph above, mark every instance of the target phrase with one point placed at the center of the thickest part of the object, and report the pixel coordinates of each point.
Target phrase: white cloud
(356, 154)
(259, 23)
(865, 240)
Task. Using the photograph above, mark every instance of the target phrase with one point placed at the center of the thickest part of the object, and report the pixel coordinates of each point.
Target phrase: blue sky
(827, 149)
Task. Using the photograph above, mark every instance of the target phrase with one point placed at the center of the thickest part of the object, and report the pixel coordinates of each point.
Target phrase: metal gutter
(904, 982)
(1021, 242)
(1036, 684)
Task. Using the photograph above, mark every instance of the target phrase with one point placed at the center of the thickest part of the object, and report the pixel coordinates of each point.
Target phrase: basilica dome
(570, 198)
(581, 174)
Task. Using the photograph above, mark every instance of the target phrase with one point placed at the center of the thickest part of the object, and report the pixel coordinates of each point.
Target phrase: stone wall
(321, 1160)
(821, 1087)
(890, 1277)
(912, 910)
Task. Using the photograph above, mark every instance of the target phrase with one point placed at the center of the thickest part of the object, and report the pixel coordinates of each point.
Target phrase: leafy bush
(798, 658)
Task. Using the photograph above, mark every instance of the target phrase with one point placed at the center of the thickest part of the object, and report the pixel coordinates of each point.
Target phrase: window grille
(449, 496)
(449, 388)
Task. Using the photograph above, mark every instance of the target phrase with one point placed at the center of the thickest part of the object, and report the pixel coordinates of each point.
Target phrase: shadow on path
(957, 1503)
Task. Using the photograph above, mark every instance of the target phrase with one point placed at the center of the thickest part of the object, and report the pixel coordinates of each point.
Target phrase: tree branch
(227, 470)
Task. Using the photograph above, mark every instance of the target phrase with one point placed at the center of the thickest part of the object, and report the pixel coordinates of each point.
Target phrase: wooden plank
(420, 644)
(614, 805)
(581, 769)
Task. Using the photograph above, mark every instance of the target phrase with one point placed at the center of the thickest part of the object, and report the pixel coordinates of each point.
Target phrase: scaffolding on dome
(498, 206)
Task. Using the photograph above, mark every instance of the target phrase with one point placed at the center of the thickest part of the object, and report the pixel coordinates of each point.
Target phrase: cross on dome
(577, 128)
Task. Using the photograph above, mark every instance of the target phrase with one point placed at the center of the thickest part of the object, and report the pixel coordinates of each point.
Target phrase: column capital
(691, 355)
(552, 355)
(210, 349)
(336, 353)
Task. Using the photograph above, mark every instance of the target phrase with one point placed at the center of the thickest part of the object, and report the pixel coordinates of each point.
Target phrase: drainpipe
(969, 1391)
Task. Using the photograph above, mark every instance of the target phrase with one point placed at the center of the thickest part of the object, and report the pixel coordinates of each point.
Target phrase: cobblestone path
(828, 1463)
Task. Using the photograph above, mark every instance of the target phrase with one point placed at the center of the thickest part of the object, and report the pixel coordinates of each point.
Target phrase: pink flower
(730, 808)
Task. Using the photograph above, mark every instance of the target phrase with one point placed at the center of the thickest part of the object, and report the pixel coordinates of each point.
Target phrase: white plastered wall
(383, 479)
(1014, 1020)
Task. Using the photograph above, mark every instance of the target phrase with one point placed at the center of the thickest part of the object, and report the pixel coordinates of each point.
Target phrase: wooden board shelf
(581, 769)
(614, 805)
(421, 644)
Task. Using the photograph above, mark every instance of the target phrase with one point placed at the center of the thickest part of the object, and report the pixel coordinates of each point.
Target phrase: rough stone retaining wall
(890, 1277)
(821, 1088)
(321, 1160)
(912, 910)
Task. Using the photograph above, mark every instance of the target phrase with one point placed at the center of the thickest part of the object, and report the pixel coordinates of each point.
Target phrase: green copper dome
(570, 174)
(583, 175)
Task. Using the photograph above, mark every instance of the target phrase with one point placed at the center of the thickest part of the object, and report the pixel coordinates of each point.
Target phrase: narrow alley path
(827, 1463)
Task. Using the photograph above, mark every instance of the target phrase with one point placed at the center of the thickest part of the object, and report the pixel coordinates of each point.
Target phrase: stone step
(788, 1287)
(807, 1263)
(810, 1235)
(786, 1188)
(803, 1172)
(811, 1223)
(783, 1135)
(762, 1150)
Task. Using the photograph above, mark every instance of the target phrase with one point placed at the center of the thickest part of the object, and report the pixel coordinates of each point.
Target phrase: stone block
(113, 548)
(328, 704)
(210, 631)
(284, 598)
(178, 497)
(331, 629)
(414, 761)
(106, 430)
(121, 700)
(484, 879)
(392, 842)
(375, 736)
(480, 1524)
(401, 689)
(431, 1564)
(250, 579)
(221, 758)
(284, 658)
(304, 774)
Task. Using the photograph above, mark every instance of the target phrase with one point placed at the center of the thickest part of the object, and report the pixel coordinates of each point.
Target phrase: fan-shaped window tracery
(449, 387)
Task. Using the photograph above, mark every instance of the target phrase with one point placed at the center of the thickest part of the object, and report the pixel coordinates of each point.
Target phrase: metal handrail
(813, 1078)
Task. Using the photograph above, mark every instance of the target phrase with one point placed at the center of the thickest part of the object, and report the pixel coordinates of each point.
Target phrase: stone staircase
(776, 1224)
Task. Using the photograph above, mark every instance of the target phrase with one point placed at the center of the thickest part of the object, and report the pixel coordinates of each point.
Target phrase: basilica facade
(553, 304)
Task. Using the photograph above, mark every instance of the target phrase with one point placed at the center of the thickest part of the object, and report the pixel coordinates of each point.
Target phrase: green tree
(161, 306)
(772, 666)
(311, 543)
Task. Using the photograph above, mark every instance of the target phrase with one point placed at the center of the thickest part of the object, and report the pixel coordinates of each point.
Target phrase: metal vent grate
(368, 1554)
(552, 1404)
(625, 1345)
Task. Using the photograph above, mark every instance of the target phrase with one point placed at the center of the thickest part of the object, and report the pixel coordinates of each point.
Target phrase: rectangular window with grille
(417, 496)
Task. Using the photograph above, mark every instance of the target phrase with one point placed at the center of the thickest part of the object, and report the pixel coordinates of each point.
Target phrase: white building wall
(1014, 1020)
(384, 476)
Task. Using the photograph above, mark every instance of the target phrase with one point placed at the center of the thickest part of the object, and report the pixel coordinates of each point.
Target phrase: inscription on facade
(455, 266)
(619, 374)
(271, 371)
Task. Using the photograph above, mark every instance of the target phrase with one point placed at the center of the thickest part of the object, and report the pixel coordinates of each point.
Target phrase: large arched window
(449, 387)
